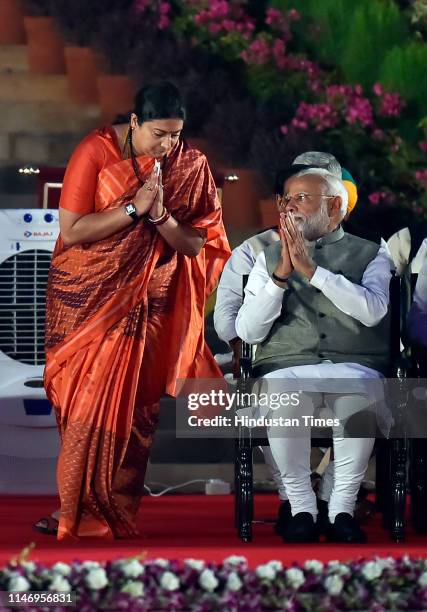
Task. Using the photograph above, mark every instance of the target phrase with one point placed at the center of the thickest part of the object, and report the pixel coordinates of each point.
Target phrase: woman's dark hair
(159, 101)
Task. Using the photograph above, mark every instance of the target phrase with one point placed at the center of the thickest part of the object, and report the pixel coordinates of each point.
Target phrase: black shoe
(301, 528)
(283, 517)
(323, 523)
(345, 529)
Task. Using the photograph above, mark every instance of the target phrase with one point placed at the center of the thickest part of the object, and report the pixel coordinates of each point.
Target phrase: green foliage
(355, 36)
(373, 29)
(405, 69)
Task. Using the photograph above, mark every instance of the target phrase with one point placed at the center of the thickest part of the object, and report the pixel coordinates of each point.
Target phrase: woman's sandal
(47, 525)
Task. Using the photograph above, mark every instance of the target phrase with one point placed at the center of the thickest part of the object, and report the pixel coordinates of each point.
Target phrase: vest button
(321, 315)
(318, 246)
(322, 336)
(318, 291)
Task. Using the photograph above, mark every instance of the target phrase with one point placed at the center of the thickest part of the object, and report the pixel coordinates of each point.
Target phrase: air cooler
(29, 440)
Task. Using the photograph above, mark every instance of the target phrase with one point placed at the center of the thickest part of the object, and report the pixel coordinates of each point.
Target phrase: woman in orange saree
(125, 305)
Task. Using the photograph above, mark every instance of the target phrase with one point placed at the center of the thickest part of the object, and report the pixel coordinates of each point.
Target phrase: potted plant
(116, 39)
(12, 30)
(44, 44)
(78, 22)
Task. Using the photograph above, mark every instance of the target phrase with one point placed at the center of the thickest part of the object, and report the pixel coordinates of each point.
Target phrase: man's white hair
(335, 185)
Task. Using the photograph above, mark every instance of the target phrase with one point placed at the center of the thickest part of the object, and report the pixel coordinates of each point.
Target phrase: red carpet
(182, 526)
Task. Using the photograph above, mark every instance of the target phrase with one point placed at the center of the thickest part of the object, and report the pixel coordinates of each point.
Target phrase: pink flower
(214, 28)
(320, 116)
(423, 146)
(163, 22)
(258, 52)
(294, 15)
(201, 18)
(139, 6)
(391, 105)
(375, 197)
(228, 25)
(219, 9)
(421, 175)
(378, 134)
(300, 125)
(359, 110)
(279, 51)
(164, 8)
(284, 129)
(272, 16)
(377, 89)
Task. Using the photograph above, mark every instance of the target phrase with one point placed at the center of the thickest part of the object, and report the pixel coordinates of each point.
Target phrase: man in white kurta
(313, 205)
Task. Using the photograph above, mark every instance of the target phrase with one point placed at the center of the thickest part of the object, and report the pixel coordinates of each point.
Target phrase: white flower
(97, 578)
(295, 577)
(28, 566)
(136, 589)
(196, 564)
(313, 565)
(61, 568)
(422, 580)
(235, 560)
(338, 568)
(161, 562)
(169, 581)
(334, 585)
(91, 564)
(18, 583)
(132, 568)
(276, 565)
(386, 562)
(372, 570)
(233, 582)
(60, 584)
(265, 571)
(208, 580)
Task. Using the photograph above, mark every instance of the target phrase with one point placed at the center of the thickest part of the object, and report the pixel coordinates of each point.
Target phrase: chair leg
(418, 484)
(244, 491)
(237, 487)
(382, 480)
(399, 456)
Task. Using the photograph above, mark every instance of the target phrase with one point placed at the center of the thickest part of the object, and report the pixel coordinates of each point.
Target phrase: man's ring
(149, 189)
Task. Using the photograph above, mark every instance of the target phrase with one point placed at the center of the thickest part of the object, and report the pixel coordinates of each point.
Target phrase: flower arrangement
(376, 584)
(259, 86)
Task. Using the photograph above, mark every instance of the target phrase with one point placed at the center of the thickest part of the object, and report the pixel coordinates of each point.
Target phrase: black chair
(391, 454)
(418, 446)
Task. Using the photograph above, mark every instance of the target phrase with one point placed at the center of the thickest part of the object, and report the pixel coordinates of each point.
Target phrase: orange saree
(125, 321)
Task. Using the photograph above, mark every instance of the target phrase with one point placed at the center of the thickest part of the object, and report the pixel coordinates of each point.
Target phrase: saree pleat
(124, 323)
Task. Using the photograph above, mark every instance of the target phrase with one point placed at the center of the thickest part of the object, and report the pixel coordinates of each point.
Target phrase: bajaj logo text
(27, 234)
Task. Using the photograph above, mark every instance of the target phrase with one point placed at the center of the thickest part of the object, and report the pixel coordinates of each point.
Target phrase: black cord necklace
(133, 158)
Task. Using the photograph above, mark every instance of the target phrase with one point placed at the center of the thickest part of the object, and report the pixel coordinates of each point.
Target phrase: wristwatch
(130, 210)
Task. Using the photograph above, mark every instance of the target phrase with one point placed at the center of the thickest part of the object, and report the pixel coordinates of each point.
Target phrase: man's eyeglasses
(299, 198)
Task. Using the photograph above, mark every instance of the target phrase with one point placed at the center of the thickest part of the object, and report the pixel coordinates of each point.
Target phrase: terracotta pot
(82, 70)
(45, 46)
(269, 214)
(12, 30)
(241, 193)
(116, 94)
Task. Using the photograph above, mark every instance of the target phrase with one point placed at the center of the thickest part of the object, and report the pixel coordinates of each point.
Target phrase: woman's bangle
(279, 279)
(162, 219)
